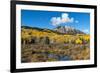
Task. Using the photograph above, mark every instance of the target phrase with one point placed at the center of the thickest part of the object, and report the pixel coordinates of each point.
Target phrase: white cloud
(56, 21)
(63, 19)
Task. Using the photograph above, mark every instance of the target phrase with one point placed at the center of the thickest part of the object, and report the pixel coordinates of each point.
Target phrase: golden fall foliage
(59, 38)
(74, 46)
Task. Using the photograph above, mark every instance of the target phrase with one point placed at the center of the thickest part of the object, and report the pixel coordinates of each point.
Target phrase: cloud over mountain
(64, 18)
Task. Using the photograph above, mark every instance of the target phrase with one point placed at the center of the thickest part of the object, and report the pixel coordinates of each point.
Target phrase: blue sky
(52, 19)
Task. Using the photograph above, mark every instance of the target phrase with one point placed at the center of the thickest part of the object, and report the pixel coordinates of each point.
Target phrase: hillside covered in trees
(45, 45)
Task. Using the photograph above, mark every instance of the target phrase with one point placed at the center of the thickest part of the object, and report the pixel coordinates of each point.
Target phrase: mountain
(40, 29)
(68, 30)
(57, 30)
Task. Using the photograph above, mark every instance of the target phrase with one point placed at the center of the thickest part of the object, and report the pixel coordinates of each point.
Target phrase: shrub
(78, 41)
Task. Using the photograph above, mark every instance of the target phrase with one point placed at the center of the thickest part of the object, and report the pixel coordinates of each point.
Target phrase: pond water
(59, 57)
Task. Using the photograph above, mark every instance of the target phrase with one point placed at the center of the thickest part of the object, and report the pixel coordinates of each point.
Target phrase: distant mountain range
(58, 30)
